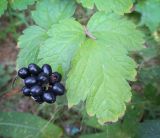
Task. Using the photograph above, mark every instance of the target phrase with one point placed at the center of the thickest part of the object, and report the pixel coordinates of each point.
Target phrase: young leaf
(101, 68)
(118, 6)
(50, 12)
(150, 10)
(21, 4)
(64, 40)
(18, 125)
(3, 6)
(29, 43)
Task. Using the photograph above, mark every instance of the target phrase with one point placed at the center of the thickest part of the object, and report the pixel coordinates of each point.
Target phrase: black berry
(49, 97)
(23, 73)
(58, 89)
(34, 69)
(55, 77)
(36, 90)
(47, 69)
(40, 83)
(43, 78)
(30, 81)
(26, 91)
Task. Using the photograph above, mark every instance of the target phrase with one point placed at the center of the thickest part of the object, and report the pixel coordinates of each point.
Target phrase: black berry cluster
(41, 84)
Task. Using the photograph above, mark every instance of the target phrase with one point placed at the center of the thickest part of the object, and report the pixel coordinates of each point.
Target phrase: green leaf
(87, 3)
(3, 6)
(18, 125)
(126, 128)
(118, 6)
(29, 44)
(50, 12)
(47, 13)
(93, 77)
(64, 40)
(149, 129)
(21, 4)
(115, 30)
(150, 10)
(101, 68)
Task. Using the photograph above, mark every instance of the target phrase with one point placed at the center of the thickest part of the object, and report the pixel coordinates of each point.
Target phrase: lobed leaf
(101, 68)
(126, 128)
(94, 78)
(64, 40)
(50, 12)
(29, 44)
(115, 30)
(47, 13)
(117, 6)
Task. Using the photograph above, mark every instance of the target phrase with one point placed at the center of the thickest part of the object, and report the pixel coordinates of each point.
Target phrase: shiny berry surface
(34, 69)
(36, 90)
(30, 81)
(43, 78)
(47, 69)
(49, 97)
(26, 91)
(23, 73)
(58, 89)
(41, 84)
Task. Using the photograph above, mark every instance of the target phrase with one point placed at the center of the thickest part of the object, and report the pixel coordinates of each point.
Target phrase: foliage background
(20, 116)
